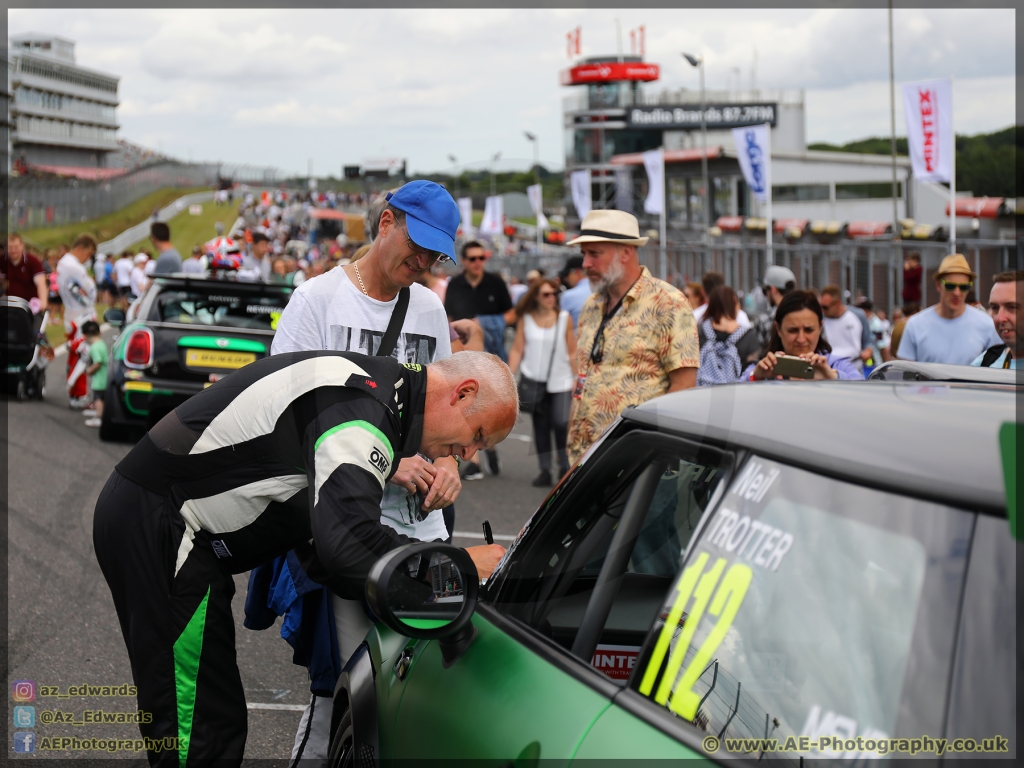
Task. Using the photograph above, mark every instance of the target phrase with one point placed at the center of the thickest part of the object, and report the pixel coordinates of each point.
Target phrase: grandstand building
(61, 114)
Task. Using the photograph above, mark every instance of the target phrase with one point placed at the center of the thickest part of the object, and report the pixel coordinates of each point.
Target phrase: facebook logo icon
(24, 741)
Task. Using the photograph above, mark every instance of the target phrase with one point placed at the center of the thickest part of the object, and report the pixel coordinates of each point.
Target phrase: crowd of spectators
(708, 332)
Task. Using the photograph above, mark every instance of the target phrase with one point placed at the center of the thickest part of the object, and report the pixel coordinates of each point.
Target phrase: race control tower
(595, 118)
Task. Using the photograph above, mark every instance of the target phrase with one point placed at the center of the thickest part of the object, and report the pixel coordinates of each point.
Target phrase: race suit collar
(412, 399)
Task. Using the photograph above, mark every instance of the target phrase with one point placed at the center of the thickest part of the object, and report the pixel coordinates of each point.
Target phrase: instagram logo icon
(24, 690)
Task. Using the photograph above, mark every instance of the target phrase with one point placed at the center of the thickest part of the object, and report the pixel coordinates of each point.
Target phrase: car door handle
(403, 663)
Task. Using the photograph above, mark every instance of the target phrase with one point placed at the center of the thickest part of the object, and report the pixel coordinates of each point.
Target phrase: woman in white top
(545, 352)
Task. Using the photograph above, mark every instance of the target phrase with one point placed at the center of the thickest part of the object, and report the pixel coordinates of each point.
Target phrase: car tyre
(353, 741)
(342, 751)
(109, 431)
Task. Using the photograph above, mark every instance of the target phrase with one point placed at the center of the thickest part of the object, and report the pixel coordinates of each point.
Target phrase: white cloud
(839, 115)
(278, 86)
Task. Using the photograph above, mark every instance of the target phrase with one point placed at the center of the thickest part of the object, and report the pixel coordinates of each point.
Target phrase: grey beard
(608, 279)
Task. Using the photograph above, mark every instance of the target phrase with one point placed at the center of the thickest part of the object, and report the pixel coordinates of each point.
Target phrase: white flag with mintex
(466, 213)
(579, 181)
(929, 109)
(533, 192)
(494, 216)
(755, 162)
(654, 164)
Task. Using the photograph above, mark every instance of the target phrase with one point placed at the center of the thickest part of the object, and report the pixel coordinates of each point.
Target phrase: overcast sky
(277, 88)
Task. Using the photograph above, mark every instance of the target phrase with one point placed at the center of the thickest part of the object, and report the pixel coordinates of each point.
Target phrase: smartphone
(793, 367)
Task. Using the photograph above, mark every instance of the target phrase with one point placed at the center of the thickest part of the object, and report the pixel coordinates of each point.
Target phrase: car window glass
(811, 607)
(983, 700)
(556, 577)
(223, 309)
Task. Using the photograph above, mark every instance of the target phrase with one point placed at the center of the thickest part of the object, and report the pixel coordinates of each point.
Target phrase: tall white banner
(929, 110)
(534, 194)
(466, 212)
(755, 158)
(654, 164)
(494, 216)
(579, 181)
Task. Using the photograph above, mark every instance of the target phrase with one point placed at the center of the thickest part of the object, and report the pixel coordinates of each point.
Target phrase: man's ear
(465, 391)
(386, 222)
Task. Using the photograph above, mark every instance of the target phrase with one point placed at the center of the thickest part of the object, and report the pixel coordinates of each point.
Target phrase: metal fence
(872, 269)
(49, 201)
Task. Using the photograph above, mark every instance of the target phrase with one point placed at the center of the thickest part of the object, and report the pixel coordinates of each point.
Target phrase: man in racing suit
(292, 451)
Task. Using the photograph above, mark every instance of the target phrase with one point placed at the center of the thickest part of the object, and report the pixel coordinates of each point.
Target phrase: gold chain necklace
(360, 279)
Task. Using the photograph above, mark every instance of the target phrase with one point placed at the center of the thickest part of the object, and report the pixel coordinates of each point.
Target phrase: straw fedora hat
(609, 226)
(955, 264)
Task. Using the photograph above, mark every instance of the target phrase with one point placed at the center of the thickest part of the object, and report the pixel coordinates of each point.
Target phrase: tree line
(985, 163)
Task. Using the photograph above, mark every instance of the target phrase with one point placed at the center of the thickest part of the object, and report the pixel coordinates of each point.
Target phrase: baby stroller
(27, 352)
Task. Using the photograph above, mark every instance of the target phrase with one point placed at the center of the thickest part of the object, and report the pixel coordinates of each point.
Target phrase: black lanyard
(596, 354)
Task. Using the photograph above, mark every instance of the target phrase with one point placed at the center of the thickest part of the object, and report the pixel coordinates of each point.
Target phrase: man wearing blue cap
(349, 309)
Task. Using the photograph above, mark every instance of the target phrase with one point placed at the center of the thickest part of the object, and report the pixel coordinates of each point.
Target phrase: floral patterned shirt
(652, 333)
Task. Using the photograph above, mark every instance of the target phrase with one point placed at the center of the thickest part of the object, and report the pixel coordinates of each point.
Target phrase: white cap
(141, 258)
(778, 275)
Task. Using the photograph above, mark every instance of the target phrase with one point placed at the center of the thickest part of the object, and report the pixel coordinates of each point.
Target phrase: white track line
(480, 535)
(279, 707)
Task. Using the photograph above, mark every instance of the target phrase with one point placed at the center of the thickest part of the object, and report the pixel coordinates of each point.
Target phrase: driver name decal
(759, 543)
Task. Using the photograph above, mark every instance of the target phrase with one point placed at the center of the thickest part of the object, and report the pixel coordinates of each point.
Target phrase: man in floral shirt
(637, 338)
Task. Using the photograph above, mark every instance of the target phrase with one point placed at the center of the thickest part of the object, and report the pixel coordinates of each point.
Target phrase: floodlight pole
(536, 178)
(455, 166)
(704, 153)
(892, 132)
(698, 61)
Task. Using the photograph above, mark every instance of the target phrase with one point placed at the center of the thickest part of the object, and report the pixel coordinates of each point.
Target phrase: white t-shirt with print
(329, 312)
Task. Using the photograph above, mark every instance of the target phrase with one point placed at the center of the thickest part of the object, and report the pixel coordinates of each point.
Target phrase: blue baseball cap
(431, 215)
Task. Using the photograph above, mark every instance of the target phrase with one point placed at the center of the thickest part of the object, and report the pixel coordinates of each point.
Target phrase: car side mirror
(114, 316)
(427, 590)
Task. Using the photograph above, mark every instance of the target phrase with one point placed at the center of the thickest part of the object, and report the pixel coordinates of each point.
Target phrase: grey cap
(778, 276)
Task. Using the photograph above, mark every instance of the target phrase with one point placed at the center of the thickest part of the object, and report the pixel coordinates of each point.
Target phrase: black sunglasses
(964, 287)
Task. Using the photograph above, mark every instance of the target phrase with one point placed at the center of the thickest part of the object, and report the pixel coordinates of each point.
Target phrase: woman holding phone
(797, 333)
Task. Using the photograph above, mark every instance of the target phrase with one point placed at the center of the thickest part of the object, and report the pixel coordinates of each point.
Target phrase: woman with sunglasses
(545, 351)
(797, 333)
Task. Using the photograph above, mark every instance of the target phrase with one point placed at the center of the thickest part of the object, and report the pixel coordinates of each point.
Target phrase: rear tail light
(138, 351)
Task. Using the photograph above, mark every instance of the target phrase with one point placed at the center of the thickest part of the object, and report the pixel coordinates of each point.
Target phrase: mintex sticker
(616, 661)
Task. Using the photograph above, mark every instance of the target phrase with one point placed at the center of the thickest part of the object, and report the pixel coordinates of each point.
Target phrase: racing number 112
(725, 604)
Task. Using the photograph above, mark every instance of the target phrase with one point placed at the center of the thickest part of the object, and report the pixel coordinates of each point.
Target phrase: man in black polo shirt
(484, 296)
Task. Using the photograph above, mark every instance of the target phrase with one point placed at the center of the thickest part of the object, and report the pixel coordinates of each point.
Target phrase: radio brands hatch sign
(688, 117)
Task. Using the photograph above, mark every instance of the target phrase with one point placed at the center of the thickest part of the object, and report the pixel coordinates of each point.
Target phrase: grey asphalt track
(62, 629)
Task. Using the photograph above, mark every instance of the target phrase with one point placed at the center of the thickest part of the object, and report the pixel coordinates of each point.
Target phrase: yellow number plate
(213, 358)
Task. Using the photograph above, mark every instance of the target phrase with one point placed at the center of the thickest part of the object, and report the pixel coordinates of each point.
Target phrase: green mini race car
(780, 571)
(186, 332)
